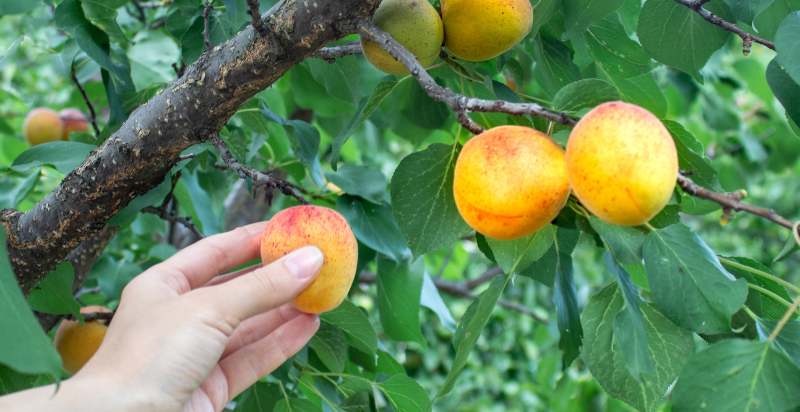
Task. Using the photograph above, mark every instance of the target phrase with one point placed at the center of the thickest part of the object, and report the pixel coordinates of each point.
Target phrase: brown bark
(190, 110)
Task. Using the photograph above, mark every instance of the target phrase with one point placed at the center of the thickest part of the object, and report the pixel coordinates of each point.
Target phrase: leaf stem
(750, 313)
(784, 320)
(770, 294)
(736, 265)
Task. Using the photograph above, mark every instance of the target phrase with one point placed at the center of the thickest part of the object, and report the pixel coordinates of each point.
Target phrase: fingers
(265, 288)
(245, 366)
(255, 328)
(195, 265)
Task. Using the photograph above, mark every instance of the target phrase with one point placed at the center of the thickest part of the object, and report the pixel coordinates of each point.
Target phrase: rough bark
(190, 110)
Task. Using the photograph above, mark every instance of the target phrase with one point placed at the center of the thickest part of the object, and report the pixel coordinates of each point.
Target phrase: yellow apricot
(42, 125)
(478, 30)
(622, 163)
(326, 229)
(413, 23)
(76, 342)
(74, 121)
(510, 181)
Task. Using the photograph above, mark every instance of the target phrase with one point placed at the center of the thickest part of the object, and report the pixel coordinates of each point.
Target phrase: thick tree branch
(747, 38)
(460, 104)
(193, 108)
(464, 290)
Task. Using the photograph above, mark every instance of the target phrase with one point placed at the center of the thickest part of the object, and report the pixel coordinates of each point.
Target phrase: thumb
(267, 287)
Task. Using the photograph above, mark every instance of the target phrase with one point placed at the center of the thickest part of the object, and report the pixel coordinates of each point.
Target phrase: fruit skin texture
(326, 229)
(622, 163)
(76, 342)
(413, 23)
(478, 30)
(74, 121)
(510, 181)
(42, 125)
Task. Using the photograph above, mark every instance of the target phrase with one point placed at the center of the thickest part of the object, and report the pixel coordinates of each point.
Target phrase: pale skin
(188, 336)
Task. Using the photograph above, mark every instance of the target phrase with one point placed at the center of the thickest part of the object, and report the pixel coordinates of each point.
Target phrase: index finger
(200, 262)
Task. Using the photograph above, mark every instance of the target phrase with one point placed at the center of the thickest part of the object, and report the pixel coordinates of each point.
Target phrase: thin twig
(93, 316)
(485, 277)
(206, 19)
(254, 10)
(92, 114)
(268, 180)
(460, 104)
(784, 320)
(330, 54)
(462, 291)
(747, 38)
(172, 217)
(141, 16)
(732, 201)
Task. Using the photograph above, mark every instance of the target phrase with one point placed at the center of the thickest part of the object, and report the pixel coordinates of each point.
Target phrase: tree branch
(208, 6)
(190, 110)
(747, 38)
(460, 104)
(92, 114)
(253, 9)
(330, 54)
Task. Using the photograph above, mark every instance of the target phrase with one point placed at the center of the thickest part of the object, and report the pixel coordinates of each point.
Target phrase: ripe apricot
(326, 229)
(74, 121)
(413, 23)
(478, 30)
(510, 181)
(76, 342)
(622, 163)
(42, 125)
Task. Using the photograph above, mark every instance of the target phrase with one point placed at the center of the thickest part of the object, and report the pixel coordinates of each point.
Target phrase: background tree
(208, 115)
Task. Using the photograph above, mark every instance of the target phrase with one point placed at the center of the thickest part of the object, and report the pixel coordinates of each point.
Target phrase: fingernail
(305, 262)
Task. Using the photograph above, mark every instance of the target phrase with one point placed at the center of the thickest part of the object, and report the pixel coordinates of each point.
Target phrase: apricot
(622, 163)
(326, 229)
(478, 30)
(74, 121)
(42, 125)
(510, 181)
(76, 342)
(413, 23)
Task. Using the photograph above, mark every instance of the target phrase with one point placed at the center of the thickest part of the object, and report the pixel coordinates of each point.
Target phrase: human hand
(185, 339)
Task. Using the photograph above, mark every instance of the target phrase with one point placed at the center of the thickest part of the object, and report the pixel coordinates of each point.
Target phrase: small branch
(94, 316)
(747, 38)
(784, 320)
(92, 114)
(330, 54)
(254, 9)
(732, 201)
(207, 8)
(140, 14)
(460, 104)
(485, 277)
(462, 291)
(173, 217)
(268, 180)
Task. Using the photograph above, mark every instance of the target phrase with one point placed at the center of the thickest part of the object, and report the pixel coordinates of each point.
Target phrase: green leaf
(763, 306)
(8, 7)
(305, 142)
(366, 107)
(747, 10)
(624, 243)
(786, 90)
(688, 283)
(363, 181)
(354, 322)
(789, 338)
(12, 381)
(295, 405)
(788, 47)
(691, 156)
(405, 394)
(64, 156)
(669, 345)
(554, 67)
(564, 296)
(422, 199)
(53, 294)
(518, 254)
(470, 327)
(103, 14)
(738, 375)
(583, 94)
(262, 396)
(153, 197)
(677, 36)
(330, 345)
(580, 14)
(14, 190)
(374, 225)
(618, 55)
(24, 347)
(399, 291)
(432, 300)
